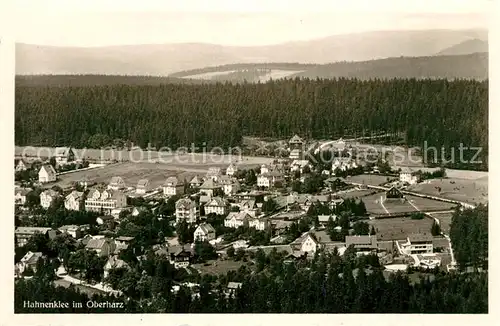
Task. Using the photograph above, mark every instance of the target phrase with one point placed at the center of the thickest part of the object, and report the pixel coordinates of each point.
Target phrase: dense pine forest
(441, 112)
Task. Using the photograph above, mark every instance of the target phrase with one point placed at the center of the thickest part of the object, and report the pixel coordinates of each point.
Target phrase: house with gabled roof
(231, 169)
(410, 176)
(300, 165)
(210, 187)
(418, 243)
(230, 185)
(217, 205)
(47, 197)
(393, 194)
(236, 219)
(20, 195)
(185, 209)
(22, 165)
(74, 231)
(117, 183)
(24, 233)
(74, 201)
(270, 179)
(47, 174)
(29, 261)
(105, 200)
(173, 187)
(102, 246)
(142, 187)
(260, 224)
(196, 182)
(362, 242)
(64, 155)
(204, 232)
(114, 263)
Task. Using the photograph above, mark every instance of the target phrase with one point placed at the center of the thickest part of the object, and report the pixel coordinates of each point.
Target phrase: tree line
(441, 112)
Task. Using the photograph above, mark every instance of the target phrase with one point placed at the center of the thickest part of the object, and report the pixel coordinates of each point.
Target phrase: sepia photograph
(319, 161)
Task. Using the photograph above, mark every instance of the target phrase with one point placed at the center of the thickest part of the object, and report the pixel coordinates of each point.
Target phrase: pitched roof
(142, 183)
(172, 182)
(49, 169)
(32, 229)
(300, 163)
(31, 257)
(75, 194)
(68, 227)
(209, 184)
(50, 192)
(123, 238)
(213, 171)
(241, 216)
(296, 139)
(96, 243)
(196, 180)
(218, 202)
(234, 285)
(206, 228)
(185, 203)
(22, 191)
(115, 262)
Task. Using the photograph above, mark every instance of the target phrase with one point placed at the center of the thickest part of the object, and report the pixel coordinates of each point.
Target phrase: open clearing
(425, 204)
(393, 206)
(473, 191)
(356, 193)
(218, 267)
(398, 228)
(130, 172)
(370, 179)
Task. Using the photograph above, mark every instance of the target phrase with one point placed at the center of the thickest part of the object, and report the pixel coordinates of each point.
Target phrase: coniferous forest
(441, 112)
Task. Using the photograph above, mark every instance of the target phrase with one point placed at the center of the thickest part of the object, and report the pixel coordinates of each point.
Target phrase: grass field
(465, 190)
(218, 267)
(425, 204)
(370, 179)
(374, 206)
(444, 221)
(398, 228)
(357, 193)
(84, 289)
(130, 172)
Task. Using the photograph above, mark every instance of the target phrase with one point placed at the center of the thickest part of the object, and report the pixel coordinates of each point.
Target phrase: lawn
(425, 204)
(400, 227)
(84, 289)
(217, 267)
(444, 221)
(374, 206)
(465, 190)
(370, 179)
(357, 193)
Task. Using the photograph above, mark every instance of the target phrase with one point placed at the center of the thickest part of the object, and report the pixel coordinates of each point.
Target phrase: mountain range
(167, 59)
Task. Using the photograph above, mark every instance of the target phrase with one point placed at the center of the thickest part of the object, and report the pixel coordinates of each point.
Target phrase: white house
(231, 169)
(47, 197)
(105, 201)
(264, 168)
(343, 163)
(73, 230)
(231, 187)
(142, 187)
(236, 219)
(185, 209)
(204, 232)
(250, 207)
(296, 144)
(20, 195)
(419, 243)
(260, 224)
(117, 183)
(114, 263)
(74, 201)
(309, 244)
(217, 205)
(270, 179)
(409, 176)
(47, 174)
(64, 155)
(173, 187)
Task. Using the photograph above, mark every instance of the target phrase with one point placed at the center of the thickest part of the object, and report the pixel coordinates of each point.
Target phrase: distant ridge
(165, 59)
(466, 47)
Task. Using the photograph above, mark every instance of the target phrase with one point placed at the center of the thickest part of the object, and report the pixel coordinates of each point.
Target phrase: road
(61, 272)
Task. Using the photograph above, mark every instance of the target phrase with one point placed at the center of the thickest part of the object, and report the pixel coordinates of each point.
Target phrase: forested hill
(441, 112)
(470, 66)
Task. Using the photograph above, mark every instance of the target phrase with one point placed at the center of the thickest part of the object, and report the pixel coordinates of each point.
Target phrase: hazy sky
(229, 24)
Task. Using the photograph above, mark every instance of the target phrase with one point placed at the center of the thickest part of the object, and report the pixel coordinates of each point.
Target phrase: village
(221, 220)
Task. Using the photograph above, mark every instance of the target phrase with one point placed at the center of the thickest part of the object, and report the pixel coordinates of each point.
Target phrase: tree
(269, 206)
(435, 229)
(184, 232)
(230, 252)
(361, 228)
